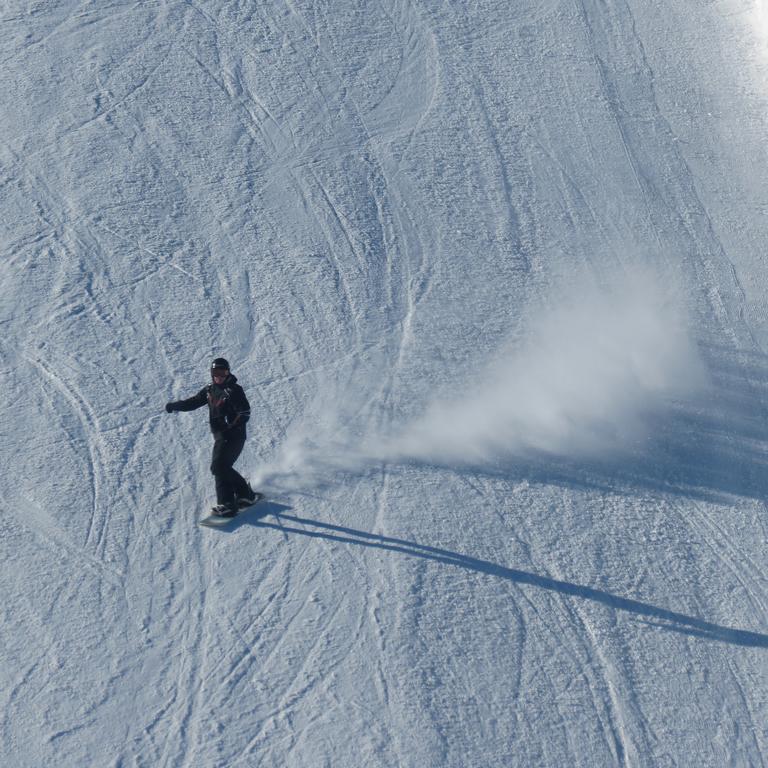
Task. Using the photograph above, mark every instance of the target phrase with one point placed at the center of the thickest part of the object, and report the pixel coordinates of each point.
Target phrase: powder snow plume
(595, 363)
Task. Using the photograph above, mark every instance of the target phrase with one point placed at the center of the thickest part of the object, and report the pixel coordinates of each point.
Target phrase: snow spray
(594, 364)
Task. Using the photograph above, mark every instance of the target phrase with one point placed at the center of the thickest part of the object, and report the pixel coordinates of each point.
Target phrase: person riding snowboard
(228, 411)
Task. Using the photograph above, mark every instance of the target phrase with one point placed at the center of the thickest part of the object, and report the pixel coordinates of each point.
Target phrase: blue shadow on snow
(660, 617)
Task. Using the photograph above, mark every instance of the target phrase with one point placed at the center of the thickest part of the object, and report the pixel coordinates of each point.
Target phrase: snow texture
(492, 275)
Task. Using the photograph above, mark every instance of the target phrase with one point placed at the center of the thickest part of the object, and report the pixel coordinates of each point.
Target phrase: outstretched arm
(191, 403)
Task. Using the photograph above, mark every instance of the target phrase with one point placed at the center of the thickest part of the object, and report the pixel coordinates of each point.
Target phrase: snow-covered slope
(493, 277)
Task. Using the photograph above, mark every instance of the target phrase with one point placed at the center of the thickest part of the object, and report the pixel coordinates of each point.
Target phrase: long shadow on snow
(663, 618)
(707, 451)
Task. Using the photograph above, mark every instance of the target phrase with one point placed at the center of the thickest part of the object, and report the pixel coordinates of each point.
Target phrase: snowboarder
(228, 411)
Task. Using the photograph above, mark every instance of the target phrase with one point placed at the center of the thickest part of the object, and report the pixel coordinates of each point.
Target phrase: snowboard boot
(224, 510)
(247, 499)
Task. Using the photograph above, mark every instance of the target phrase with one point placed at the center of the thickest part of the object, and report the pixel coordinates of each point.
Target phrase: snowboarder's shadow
(654, 616)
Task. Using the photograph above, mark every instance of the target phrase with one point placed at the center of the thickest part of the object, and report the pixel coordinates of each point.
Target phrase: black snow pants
(229, 483)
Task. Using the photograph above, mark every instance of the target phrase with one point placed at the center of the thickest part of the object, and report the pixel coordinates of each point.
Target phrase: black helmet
(220, 363)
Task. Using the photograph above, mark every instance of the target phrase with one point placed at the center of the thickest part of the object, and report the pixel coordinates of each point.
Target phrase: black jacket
(228, 407)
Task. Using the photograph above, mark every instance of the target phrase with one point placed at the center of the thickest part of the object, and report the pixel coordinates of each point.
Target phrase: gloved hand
(170, 407)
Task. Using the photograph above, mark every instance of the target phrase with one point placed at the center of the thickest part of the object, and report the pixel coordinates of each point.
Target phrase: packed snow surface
(493, 277)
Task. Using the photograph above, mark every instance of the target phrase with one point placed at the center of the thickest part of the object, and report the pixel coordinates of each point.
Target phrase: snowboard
(214, 521)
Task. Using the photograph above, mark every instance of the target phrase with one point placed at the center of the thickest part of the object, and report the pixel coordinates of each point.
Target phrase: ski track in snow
(358, 205)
